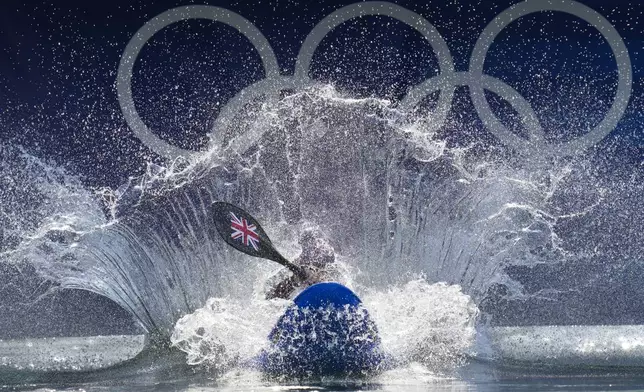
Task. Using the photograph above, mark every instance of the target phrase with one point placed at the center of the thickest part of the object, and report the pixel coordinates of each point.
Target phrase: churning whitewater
(422, 229)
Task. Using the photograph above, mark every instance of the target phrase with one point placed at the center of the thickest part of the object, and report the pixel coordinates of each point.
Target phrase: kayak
(325, 332)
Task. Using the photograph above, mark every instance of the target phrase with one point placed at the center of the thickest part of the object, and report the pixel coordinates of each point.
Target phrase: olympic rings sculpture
(445, 82)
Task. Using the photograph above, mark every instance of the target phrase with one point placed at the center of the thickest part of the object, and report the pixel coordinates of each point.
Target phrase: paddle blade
(241, 231)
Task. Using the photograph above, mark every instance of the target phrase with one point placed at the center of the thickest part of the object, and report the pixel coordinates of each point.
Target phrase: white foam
(432, 325)
(69, 353)
(226, 330)
(582, 345)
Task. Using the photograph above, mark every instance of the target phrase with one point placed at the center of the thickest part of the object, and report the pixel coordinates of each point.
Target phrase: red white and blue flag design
(242, 230)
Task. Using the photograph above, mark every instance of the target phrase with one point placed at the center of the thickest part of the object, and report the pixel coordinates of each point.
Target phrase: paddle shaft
(278, 258)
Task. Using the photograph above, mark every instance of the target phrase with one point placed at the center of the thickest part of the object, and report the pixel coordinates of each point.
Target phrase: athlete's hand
(313, 274)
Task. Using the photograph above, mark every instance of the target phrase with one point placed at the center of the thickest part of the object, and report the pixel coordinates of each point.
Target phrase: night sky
(59, 62)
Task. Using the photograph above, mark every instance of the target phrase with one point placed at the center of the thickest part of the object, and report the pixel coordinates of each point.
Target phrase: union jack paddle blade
(241, 231)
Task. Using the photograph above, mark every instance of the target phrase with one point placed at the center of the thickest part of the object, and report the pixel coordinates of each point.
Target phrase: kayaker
(318, 261)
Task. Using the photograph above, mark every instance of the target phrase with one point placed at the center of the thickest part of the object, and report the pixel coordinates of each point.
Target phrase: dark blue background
(58, 66)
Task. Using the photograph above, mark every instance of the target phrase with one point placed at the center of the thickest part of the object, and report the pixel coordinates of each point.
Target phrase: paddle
(241, 231)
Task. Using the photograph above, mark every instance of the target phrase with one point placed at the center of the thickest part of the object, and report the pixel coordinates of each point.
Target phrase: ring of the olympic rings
(126, 66)
(445, 82)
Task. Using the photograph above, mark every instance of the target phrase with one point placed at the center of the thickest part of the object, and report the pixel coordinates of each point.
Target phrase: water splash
(397, 204)
(418, 323)
(429, 324)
